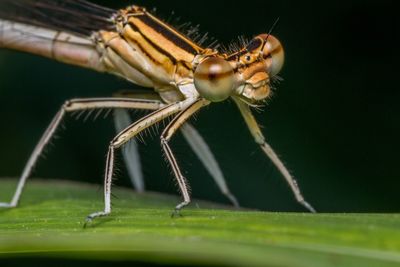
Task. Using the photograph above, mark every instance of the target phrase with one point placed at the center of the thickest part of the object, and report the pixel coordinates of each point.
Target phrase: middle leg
(166, 136)
(124, 137)
(193, 138)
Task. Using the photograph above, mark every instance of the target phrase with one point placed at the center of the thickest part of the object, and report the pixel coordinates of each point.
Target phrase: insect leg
(195, 140)
(166, 136)
(124, 137)
(260, 139)
(203, 152)
(130, 152)
(70, 106)
(192, 137)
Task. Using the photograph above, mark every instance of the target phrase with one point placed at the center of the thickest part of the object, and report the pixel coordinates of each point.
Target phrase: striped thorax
(148, 52)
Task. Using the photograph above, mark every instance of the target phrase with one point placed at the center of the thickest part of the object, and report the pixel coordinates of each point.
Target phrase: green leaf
(49, 223)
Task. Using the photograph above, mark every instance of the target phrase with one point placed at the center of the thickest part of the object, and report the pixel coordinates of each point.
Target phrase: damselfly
(137, 46)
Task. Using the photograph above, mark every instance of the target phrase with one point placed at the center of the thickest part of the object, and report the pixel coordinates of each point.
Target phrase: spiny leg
(192, 136)
(130, 151)
(124, 137)
(203, 152)
(260, 139)
(70, 106)
(166, 136)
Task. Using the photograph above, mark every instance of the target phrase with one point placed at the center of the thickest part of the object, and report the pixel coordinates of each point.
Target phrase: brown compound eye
(214, 79)
(276, 56)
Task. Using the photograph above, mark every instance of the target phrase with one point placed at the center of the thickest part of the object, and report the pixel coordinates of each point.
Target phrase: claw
(233, 200)
(6, 205)
(308, 206)
(176, 213)
(91, 217)
(88, 221)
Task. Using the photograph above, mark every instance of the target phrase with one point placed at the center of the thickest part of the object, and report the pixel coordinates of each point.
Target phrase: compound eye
(274, 51)
(214, 79)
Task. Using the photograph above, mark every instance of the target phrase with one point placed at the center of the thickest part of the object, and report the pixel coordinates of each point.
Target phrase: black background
(334, 120)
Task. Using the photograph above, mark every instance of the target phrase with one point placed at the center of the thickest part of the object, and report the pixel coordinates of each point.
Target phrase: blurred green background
(334, 119)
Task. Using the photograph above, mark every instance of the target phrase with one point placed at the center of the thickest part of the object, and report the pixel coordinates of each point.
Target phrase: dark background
(334, 120)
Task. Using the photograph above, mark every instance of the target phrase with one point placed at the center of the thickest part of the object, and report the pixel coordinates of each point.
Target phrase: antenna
(271, 30)
(273, 27)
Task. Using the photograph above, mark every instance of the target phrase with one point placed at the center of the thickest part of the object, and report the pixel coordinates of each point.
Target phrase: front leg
(260, 139)
(166, 136)
(130, 152)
